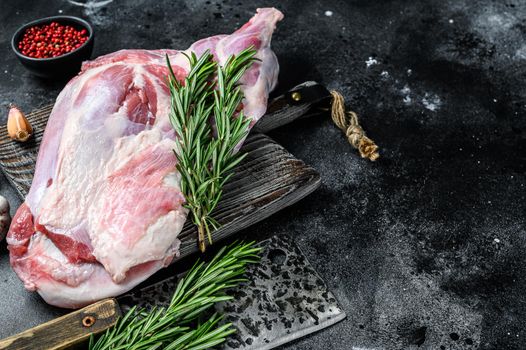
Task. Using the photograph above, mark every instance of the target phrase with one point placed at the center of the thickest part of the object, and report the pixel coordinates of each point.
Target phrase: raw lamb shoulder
(105, 209)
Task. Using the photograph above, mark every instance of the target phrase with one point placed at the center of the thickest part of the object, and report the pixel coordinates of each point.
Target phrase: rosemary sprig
(173, 328)
(206, 117)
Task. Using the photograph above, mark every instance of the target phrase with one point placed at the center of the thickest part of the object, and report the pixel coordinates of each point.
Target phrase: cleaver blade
(284, 299)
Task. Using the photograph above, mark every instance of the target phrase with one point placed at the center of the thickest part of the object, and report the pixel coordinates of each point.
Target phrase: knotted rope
(347, 121)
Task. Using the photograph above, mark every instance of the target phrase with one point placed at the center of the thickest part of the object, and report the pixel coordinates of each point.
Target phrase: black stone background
(424, 248)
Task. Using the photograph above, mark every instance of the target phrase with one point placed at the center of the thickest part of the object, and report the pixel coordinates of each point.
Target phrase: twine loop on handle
(347, 121)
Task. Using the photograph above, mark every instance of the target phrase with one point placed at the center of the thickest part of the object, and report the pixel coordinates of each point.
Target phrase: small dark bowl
(56, 67)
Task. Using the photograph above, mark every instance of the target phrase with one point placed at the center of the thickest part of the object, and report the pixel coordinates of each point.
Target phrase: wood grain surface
(68, 330)
(268, 179)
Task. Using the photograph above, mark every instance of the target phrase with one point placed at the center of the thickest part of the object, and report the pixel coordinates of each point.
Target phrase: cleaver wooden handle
(68, 330)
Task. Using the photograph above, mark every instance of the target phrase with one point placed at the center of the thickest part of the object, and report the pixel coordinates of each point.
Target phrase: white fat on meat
(105, 208)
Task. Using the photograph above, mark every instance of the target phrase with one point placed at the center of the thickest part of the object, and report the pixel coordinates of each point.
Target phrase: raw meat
(105, 209)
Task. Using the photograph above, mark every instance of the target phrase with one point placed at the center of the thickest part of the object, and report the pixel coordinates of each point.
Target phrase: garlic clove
(18, 127)
(5, 217)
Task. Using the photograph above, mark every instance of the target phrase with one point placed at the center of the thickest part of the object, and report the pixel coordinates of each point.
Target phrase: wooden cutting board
(268, 180)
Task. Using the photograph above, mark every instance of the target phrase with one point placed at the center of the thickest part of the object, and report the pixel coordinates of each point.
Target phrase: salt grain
(406, 91)
(370, 62)
(431, 102)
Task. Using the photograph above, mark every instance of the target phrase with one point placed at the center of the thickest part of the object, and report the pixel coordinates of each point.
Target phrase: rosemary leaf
(174, 327)
(209, 126)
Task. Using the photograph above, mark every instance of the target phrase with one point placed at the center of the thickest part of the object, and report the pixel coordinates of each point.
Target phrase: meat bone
(302, 101)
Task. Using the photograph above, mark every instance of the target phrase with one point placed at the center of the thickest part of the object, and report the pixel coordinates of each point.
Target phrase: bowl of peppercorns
(54, 47)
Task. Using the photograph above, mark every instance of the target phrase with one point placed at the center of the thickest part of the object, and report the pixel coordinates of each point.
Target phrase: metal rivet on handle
(88, 321)
(296, 96)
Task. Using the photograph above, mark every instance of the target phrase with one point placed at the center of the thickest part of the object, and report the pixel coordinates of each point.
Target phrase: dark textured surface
(426, 246)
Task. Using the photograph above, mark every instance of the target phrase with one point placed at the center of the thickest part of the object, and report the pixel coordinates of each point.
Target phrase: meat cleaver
(284, 299)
